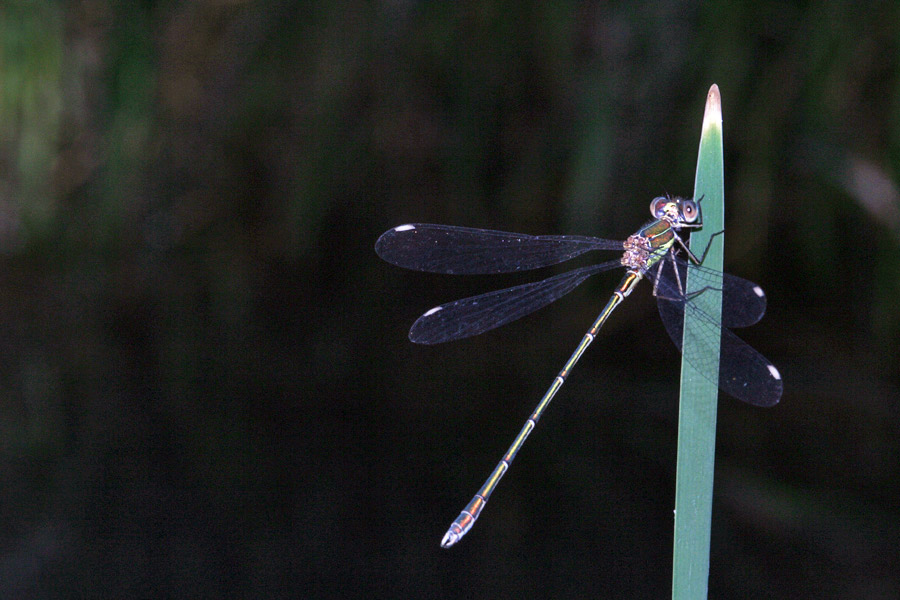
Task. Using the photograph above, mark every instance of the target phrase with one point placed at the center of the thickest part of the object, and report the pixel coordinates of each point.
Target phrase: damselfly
(651, 252)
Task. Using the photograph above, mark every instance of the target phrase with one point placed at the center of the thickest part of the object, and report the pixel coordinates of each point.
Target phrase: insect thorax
(637, 252)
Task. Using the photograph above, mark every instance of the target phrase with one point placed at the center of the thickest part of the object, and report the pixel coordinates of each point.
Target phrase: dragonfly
(652, 252)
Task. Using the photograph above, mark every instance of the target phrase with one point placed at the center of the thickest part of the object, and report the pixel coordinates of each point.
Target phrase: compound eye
(658, 207)
(689, 211)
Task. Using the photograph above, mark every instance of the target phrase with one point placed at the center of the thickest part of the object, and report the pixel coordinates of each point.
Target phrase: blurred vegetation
(206, 386)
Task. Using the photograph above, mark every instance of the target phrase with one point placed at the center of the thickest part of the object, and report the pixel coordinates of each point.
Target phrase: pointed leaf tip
(712, 116)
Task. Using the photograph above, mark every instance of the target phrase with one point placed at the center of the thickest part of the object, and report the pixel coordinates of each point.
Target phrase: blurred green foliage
(31, 108)
(206, 388)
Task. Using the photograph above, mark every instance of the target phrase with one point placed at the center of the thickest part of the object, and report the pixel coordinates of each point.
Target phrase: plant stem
(697, 411)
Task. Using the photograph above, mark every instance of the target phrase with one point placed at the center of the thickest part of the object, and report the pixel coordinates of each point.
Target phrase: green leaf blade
(699, 393)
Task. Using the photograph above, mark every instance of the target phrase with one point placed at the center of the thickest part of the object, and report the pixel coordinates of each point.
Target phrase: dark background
(206, 388)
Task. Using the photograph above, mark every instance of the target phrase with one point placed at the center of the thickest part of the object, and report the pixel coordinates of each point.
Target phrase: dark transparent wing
(462, 250)
(743, 372)
(743, 302)
(471, 316)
